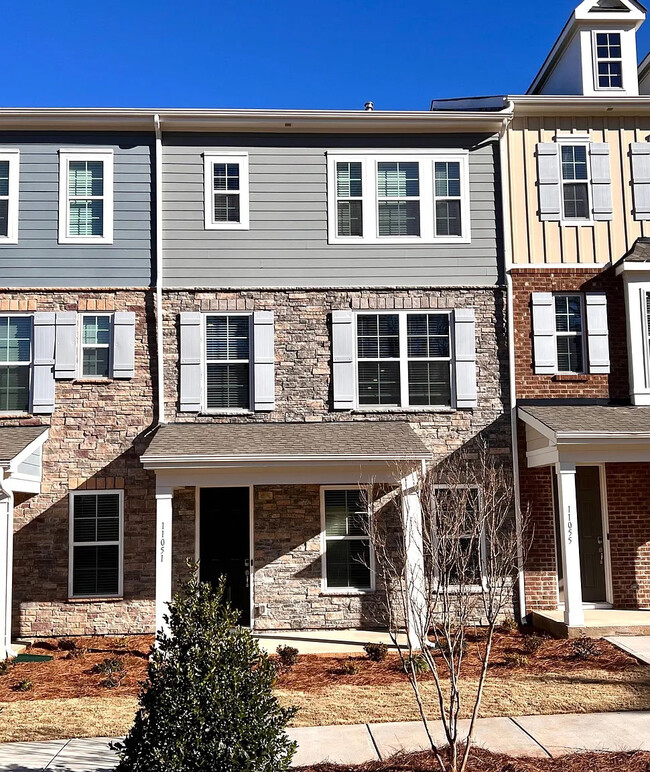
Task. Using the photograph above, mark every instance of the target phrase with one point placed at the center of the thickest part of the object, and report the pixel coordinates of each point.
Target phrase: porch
(598, 623)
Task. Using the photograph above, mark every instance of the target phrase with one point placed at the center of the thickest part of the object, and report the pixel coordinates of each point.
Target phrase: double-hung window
(404, 359)
(15, 363)
(86, 196)
(9, 166)
(95, 342)
(460, 537)
(96, 544)
(226, 191)
(575, 182)
(227, 362)
(569, 333)
(347, 564)
(608, 60)
(389, 197)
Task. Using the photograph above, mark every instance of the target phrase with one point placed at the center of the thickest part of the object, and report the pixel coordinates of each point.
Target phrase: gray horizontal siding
(287, 241)
(38, 259)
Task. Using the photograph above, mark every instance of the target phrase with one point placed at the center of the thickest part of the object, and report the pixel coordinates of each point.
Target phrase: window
(388, 197)
(9, 166)
(348, 556)
(86, 197)
(575, 182)
(609, 60)
(569, 335)
(404, 359)
(96, 345)
(226, 191)
(15, 363)
(227, 351)
(96, 544)
(460, 537)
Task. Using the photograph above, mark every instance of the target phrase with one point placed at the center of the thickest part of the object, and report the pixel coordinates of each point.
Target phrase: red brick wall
(614, 385)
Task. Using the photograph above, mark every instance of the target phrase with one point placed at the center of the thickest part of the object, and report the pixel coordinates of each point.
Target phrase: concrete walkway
(636, 645)
(538, 736)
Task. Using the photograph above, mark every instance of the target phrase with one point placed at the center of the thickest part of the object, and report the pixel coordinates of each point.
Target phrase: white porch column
(164, 497)
(566, 486)
(6, 572)
(415, 581)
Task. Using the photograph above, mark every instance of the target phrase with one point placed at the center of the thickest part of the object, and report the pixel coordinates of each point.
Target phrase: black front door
(590, 534)
(225, 543)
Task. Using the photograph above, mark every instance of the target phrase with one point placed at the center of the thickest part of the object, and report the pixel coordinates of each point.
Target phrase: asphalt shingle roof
(13, 439)
(596, 420)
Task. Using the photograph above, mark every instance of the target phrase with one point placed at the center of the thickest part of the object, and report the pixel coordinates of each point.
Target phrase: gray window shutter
(548, 181)
(65, 364)
(123, 344)
(544, 333)
(190, 364)
(343, 359)
(465, 357)
(640, 154)
(264, 360)
(43, 379)
(601, 181)
(597, 332)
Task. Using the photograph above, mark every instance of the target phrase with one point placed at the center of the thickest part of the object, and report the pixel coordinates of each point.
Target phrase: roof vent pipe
(369, 107)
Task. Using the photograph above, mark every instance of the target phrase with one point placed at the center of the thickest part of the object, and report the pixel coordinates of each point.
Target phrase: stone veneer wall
(97, 433)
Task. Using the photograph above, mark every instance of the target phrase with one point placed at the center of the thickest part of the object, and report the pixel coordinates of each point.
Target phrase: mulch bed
(483, 761)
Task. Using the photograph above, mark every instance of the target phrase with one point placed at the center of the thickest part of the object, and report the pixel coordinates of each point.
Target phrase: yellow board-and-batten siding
(537, 242)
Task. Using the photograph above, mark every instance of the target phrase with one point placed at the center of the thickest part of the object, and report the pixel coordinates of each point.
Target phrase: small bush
(109, 666)
(24, 686)
(417, 663)
(509, 625)
(5, 666)
(123, 643)
(585, 648)
(377, 652)
(288, 655)
(532, 643)
(516, 660)
(67, 644)
(113, 680)
(349, 668)
(78, 653)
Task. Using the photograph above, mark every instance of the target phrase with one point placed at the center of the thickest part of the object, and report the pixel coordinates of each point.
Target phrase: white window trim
(404, 360)
(81, 346)
(204, 366)
(369, 160)
(85, 154)
(209, 159)
(582, 334)
(325, 590)
(596, 60)
(72, 544)
(31, 367)
(585, 141)
(13, 156)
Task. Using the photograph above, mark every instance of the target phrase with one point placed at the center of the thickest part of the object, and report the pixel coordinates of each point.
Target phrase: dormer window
(609, 60)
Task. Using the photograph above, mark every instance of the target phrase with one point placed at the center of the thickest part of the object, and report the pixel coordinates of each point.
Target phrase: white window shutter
(65, 364)
(597, 332)
(123, 344)
(601, 181)
(548, 181)
(343, 359)
(264, 360)
(640, 154)
(465, 357)
(190, 362)
(43, 379)
(544, 333)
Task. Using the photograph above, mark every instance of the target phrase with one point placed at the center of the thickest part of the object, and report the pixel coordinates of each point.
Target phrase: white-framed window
(570, 333)
(393, 197)
(226, 191)
(348, 560)
(608, 60)
(574, 171)
(9, 173)
(403, 359)
(15, 363)
(96, 543)
(466, 556)
(227, 362)
(95, 338)
(86, 196)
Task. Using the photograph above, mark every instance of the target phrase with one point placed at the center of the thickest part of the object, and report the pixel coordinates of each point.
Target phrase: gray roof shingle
(13, 439)
(593, 420)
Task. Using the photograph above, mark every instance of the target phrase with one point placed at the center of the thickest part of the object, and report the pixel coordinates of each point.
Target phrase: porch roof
(15, 439)
(21, 460)
(246, 443)
(589, 422)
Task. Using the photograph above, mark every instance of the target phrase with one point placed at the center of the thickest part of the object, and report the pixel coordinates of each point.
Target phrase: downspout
(7, 579)
(507, 249)
(159, 272)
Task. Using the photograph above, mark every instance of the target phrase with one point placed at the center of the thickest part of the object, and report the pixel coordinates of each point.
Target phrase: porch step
(599, 623)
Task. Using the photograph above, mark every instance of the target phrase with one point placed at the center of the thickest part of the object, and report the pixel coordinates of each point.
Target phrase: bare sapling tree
(447, 551)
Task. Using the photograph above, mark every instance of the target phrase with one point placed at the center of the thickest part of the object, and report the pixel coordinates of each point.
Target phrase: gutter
(159, 272)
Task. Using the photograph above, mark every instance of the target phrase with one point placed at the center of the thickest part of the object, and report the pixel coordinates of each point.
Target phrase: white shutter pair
(544, 347)
(549, 181)
(262, 361)
(640, 155)
(343, 370)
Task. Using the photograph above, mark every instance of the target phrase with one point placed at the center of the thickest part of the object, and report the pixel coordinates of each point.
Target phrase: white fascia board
(27, 451)
(179, 462)
(551, 105)
(536, 424)
(632, 267)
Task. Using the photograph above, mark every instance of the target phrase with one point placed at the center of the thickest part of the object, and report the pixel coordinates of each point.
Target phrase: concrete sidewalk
(538, 736)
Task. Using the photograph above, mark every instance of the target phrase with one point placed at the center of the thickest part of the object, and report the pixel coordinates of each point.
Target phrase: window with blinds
(96, 544)
(459, 538)
(429, 359)
(4, 198)
(347, 546)
(9, 168)
(96, 345)
(349, 198)
(226, 191)
(227, 358)
(569, 333)
(15, 363)
(398, 198)
(447, 197)
(86, 197)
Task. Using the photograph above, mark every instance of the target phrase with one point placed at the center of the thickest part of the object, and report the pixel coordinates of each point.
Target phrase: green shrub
(515, 659)
(532, 643)
(288, 655)
(350, 667)
(416, 663)
(377, 652)
(109, 666)
(585, 648)
(24, 686)
(509, 625)
(207, 703)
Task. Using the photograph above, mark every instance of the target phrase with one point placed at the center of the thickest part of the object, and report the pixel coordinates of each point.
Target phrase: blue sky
(284, 54)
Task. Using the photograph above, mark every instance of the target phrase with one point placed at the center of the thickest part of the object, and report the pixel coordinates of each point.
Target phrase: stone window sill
(344, 593)
(93, 380)
(571, 378)
(423, 409)
(5, 416)
(96, 599)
